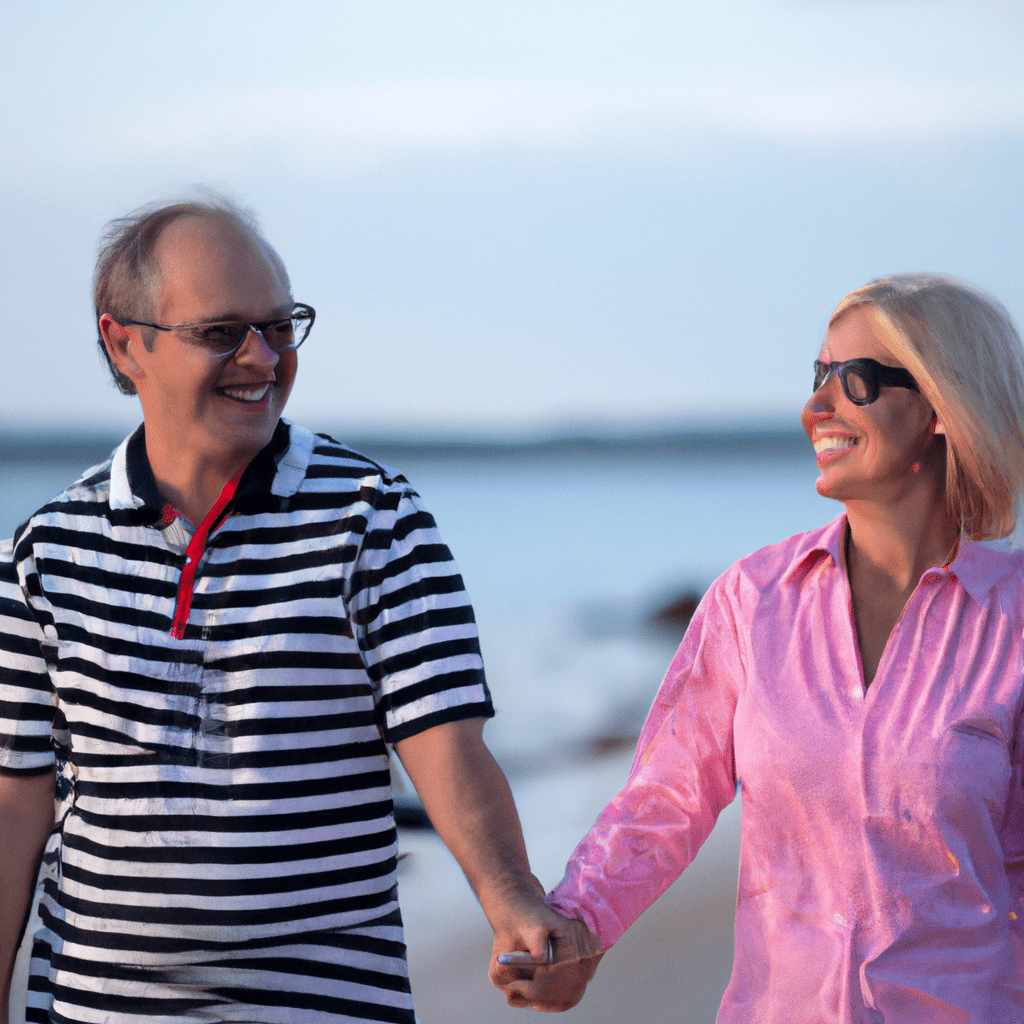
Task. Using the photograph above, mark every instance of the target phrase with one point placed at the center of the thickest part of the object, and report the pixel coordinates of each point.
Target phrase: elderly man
(207, 645)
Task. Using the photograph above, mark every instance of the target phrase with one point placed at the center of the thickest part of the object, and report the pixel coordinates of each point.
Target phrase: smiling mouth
(240, 394)
(833, 444)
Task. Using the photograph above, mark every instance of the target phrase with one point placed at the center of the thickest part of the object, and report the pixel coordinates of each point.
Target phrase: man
(208, 643)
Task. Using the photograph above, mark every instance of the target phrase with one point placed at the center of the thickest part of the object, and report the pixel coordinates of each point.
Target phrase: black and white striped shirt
(230, 787)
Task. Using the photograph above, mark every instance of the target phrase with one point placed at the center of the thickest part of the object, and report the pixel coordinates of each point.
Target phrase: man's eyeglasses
(222, 338)
(862, 379)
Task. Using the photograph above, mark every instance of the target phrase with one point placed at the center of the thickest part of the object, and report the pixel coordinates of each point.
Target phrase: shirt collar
(278, 469)
(978, 567)
(815, 545)
(131, 480)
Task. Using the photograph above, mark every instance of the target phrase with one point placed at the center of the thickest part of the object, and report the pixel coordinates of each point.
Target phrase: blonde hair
(965, 353)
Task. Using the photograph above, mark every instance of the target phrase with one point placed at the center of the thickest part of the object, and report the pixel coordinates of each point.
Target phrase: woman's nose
(821, 404)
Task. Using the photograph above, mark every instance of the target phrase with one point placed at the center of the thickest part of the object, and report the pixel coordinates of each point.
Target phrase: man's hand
(575, 951)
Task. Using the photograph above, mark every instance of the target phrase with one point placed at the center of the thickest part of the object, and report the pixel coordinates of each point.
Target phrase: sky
(515, 217)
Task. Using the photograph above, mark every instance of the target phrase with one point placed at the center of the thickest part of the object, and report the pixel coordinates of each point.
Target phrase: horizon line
(703, 438)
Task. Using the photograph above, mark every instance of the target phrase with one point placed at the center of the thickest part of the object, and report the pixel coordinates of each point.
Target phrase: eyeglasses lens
(288, 334)
(218, 338)
(301, 324)
(281, 336)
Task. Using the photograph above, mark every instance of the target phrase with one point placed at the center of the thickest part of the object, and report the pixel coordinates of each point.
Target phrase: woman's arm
(682, 776)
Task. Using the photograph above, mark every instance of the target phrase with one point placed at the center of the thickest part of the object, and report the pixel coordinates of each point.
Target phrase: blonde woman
(865, 681)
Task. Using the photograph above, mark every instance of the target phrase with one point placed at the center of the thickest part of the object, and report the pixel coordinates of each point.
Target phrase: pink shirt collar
(977, 567)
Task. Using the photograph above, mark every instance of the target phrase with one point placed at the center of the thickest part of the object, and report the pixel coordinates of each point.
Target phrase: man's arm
(26, 819)
(468, 799)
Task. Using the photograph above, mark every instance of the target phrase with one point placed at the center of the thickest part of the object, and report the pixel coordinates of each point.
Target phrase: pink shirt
(882, 857)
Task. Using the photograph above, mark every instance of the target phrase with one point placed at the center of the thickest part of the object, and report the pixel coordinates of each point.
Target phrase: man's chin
(244, 435)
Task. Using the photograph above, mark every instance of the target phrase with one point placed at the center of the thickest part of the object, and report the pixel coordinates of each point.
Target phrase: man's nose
(254, 349)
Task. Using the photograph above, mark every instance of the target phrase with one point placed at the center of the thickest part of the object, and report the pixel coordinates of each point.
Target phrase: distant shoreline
(687, 444)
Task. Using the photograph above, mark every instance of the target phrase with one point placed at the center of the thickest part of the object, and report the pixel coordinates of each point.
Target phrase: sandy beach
(670, 968)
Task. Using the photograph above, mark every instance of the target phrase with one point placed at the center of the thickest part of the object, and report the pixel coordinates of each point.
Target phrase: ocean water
(565, 558)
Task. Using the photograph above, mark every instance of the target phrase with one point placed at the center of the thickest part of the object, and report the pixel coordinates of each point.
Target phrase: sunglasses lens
(821, 372)
(857, 383)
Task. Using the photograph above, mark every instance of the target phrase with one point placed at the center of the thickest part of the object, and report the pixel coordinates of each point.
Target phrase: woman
(865, 681)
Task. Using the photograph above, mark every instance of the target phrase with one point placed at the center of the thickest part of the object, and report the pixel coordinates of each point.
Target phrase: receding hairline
(240, 230)
(133, 241)
(239, 227)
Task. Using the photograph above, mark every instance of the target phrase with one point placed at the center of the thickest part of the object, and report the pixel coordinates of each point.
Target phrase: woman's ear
(937, 427)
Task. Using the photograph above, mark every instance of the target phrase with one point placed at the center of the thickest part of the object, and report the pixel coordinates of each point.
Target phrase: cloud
(351, 125)
(440, 116)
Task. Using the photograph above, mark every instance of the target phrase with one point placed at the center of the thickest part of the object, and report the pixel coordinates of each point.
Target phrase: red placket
(194, 551)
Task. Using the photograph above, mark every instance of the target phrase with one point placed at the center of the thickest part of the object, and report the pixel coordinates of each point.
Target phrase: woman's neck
(888, 550)
(894, 547)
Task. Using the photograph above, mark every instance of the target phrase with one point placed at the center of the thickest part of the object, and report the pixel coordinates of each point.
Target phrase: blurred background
(571, 263)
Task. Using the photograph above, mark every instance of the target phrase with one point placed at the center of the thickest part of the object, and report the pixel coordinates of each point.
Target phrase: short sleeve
(26, 693)
(683, 775)
(413, 621)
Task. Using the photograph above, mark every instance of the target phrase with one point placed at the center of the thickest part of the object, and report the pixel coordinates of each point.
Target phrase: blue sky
(517, 216)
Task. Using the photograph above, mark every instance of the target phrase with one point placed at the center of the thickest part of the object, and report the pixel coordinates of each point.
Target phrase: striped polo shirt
(230, 786)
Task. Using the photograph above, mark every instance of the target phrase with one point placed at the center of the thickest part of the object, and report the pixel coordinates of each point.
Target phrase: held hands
(529, 924)
(549, 989)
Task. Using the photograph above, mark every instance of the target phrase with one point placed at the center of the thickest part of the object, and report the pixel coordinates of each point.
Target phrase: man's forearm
(469, 802)
(26, 819)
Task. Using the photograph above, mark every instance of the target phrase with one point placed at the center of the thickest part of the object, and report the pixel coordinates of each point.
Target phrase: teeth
(833, 443)
(247, 394)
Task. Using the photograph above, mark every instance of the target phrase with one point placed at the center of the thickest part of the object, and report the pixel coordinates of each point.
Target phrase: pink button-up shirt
(882, 857)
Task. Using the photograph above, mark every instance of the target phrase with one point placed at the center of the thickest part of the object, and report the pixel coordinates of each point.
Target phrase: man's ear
(117, 341)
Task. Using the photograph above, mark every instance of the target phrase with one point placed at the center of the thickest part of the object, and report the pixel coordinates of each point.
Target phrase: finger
(543, 1002)
(502, 977)
(567, 949)
(574, 942)
(523, 958)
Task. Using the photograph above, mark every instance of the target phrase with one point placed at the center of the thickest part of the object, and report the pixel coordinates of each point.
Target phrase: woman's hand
(575, 954)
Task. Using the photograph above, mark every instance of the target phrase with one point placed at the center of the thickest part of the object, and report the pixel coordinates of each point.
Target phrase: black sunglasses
(862, 379)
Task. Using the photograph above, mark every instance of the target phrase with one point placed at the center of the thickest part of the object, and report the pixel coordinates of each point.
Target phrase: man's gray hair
(126, 280)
